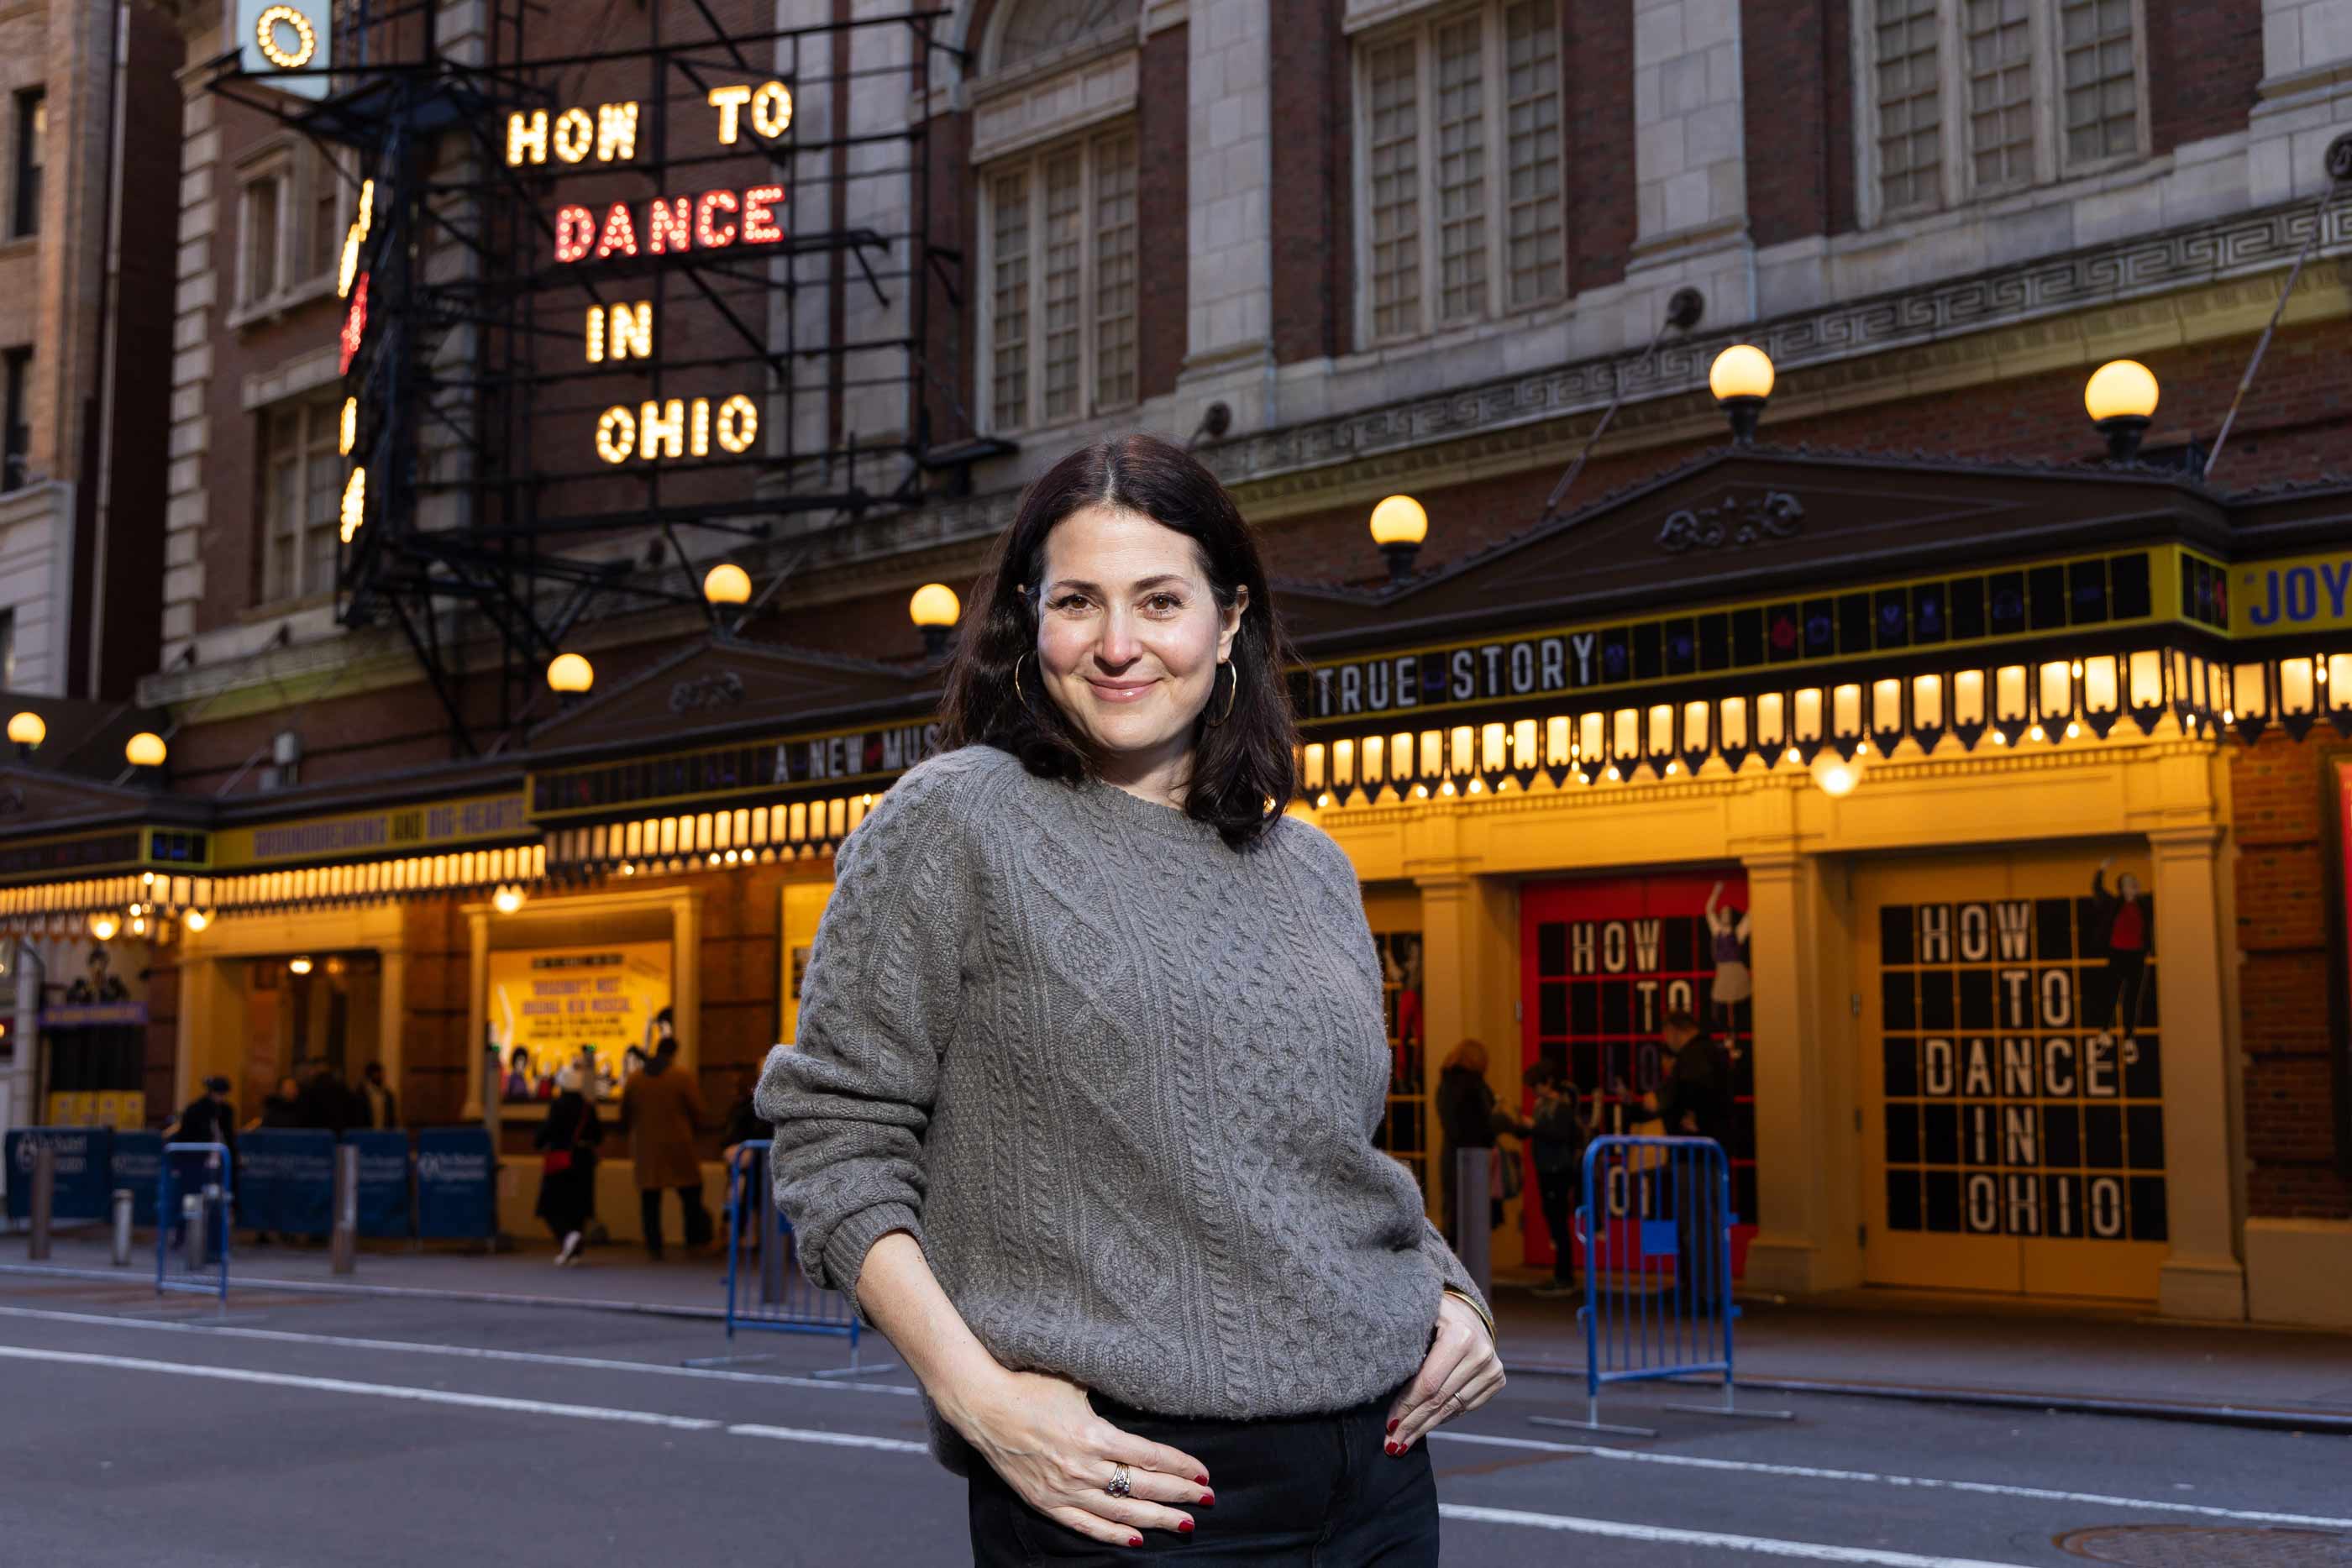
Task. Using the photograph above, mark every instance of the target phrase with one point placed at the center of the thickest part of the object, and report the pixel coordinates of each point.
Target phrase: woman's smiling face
(1130, 636)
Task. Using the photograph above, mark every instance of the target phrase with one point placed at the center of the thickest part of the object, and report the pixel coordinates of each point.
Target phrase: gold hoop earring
(1017, 692)
(1231, 693)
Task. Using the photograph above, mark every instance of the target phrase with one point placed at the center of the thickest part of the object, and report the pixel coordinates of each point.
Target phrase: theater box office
(1917, 781)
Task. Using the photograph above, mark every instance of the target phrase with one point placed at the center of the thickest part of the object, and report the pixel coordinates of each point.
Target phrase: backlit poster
(606, 1007)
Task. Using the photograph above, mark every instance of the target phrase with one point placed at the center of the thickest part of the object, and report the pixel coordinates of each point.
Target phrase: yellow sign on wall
(2297, 593)
(549, 1007)
(402, 828)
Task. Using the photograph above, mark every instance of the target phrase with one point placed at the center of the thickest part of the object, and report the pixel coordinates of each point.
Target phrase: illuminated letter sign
(274, 38)
(771, 104)
(575, 232)
(610, 133)
(354, 325)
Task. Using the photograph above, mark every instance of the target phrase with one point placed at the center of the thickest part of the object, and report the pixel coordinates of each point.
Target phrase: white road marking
(829, 1440)
(1761, 1545)
(463, 1352)
(372, 1390)
(1874, 1478)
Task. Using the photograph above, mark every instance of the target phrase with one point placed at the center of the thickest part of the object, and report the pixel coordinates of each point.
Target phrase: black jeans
(1316, 1491)
(697, 1219)
(1558, 1190)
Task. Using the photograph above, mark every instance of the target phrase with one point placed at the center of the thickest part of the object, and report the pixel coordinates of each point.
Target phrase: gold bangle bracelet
(1485, 1316)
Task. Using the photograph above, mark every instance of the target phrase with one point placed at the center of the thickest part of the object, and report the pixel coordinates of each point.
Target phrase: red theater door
(1603, 959)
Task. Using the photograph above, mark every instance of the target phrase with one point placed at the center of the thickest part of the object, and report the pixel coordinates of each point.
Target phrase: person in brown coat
(661, 1113)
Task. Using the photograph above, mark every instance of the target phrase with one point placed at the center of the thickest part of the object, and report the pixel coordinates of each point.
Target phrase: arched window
(1038, 30)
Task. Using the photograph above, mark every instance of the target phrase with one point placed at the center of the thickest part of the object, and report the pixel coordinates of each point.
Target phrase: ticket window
(2011, 1075)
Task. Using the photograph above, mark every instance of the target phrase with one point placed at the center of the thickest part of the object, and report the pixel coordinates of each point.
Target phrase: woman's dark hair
(1240, 761)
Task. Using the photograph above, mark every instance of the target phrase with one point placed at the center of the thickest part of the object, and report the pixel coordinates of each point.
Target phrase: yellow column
(2203, 1277)
(1807, 1154)
(477, 980)
(1470, 987)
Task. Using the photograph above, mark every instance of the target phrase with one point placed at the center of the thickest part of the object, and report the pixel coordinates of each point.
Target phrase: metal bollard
(1471, 1215)
(344, 1244)
(194, 1209)
(44, 1199)
(122, 1225)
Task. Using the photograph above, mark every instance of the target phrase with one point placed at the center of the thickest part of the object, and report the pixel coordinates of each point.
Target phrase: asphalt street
(305, 1431)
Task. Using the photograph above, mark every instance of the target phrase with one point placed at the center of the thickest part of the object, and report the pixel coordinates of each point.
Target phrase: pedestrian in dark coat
(209, 1119)
(662, 1113)
(1696, 1100)
(1469, 1118)
(567, 1143)
(1556, 1138)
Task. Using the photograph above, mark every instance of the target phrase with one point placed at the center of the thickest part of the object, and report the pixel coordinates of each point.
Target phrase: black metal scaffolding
(489, 515)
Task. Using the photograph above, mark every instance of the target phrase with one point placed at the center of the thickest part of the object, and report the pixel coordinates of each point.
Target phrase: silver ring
(1122, 1483)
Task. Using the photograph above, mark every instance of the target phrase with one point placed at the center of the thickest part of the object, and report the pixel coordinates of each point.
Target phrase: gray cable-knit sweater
(1120, 1081)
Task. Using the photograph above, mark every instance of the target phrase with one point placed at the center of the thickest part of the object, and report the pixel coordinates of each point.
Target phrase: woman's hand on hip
(1042, 1436)
(1460, 1372)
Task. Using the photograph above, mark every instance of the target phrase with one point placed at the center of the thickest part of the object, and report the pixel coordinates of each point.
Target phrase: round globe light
(28, 728)
(2120, 389)
(934, 607)
(727, 584)
(144, 749)
(1742, 369)
(570, 675)
(1400, 521)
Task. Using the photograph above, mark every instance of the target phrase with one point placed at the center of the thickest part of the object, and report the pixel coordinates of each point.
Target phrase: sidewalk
(2075, 1353)
(1863, 1342)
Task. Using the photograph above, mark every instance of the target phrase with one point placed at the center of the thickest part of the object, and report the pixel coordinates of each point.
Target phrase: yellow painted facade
(1814, 865)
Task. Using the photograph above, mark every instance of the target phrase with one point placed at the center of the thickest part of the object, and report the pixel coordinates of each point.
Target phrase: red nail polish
(1208, 1500)
(1185, 1527)
(1135, 1540)
(1200, 1480)
(1392, 1426)
(1393, 1448)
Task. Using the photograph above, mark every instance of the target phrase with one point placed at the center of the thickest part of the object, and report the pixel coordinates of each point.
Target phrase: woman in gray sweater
(1089, 1059)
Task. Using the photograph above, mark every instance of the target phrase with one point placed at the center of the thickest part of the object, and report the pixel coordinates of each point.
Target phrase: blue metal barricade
(765, 1287)
(195, 1195)
(1655, 1229)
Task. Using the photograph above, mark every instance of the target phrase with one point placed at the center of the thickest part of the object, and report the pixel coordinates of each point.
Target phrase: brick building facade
(1400, 246)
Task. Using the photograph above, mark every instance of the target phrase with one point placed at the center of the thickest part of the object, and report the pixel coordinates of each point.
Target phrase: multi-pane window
(32, 134)
(1975, 98)
(302, 487)
(2000, 42)
(1910, 104)
(2098, 79)
(1062, 282)
(1461, 138)
(290, 223)
(15, 432)
(261, 236)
